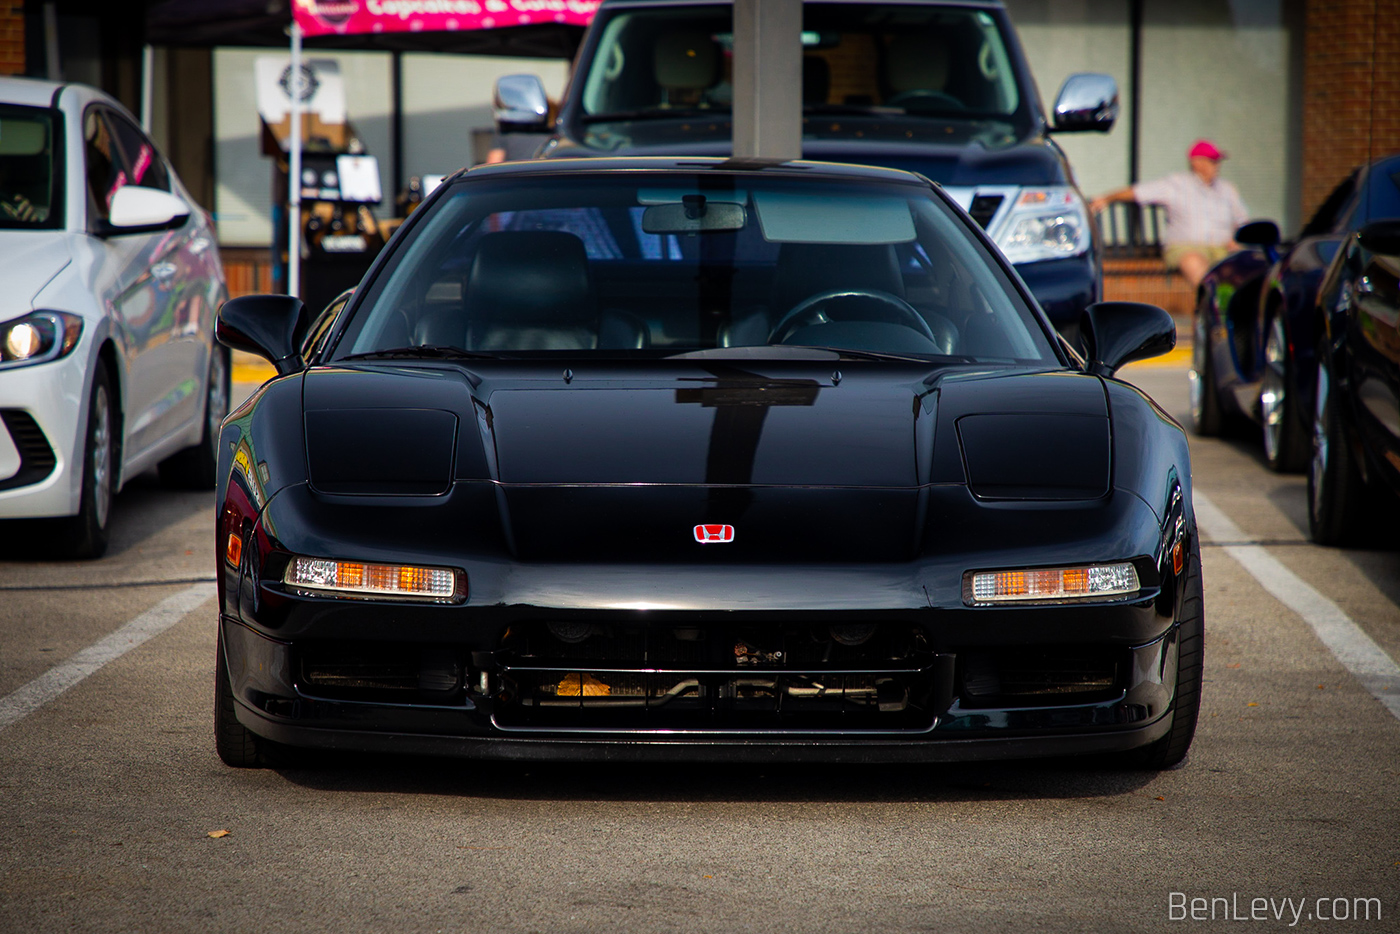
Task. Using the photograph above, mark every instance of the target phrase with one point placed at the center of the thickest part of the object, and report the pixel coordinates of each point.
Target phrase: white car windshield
(28, 188)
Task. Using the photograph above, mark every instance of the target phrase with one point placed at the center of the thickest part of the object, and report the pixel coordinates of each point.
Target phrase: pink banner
(344, 17)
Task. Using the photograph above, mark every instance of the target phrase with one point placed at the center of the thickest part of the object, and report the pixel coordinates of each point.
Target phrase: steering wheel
(925, 99)
(815, 309)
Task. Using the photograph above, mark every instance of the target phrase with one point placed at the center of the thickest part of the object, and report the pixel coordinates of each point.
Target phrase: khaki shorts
(1213, 253)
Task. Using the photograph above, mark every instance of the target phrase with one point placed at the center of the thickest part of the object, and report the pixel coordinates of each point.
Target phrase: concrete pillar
(768, 79)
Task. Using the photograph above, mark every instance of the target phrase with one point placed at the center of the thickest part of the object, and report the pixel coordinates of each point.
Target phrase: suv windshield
(660, 264)
(28, 190)
(886, 70)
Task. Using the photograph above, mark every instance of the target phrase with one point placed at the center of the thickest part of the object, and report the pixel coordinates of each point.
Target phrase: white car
(109, 281)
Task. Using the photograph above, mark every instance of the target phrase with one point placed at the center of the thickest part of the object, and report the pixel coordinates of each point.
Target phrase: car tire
(236, 745)
(87, 534)
(1286, 447)
(1190, 668)
(195, 467)
(1336, 491)
(1206, 416)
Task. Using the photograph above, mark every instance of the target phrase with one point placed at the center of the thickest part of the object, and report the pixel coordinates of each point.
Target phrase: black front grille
(1038, 675)
(856, 676)
(36, 457)
(984, 208)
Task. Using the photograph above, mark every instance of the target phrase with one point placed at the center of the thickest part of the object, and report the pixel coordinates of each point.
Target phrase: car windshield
(718, 264)
(28, 183)
(887, 71)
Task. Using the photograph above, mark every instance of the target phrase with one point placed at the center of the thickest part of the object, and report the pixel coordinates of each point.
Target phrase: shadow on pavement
(141, 510)
(741, 783)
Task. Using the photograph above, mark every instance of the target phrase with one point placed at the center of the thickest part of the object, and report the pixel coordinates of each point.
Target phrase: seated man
(1203, 211)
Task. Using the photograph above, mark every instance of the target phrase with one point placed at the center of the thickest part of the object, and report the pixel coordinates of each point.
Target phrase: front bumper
(1064, 288)
(43, 406)
(472, 704)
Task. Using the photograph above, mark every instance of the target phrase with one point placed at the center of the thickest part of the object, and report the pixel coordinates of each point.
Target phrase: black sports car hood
(779, 452)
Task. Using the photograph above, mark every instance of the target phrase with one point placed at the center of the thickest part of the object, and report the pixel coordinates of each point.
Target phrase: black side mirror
(1381, 237)
(1115, 333)
(271, 326)
(1258, 233)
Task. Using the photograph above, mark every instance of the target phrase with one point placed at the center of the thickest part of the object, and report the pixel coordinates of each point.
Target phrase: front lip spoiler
(748, 748)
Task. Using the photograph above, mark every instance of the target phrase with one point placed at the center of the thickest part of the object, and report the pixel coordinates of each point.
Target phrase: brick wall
(11, 37)
(1351, 83)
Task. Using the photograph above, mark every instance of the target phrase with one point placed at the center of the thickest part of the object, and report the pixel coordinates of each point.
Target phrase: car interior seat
(532, 290)
(686, 64)
(916, 71)
(816, 80)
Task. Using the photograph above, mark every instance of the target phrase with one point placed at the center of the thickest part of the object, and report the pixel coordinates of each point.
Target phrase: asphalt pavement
(118, 816)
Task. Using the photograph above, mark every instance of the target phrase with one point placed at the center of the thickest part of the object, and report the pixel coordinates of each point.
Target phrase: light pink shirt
(1196, 212)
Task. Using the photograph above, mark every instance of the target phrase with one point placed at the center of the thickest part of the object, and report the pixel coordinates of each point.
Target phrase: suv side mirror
(271, 326)
(143, 210)
(1087, 101)
(520, 104)
(1116, 333)
(1381, 237)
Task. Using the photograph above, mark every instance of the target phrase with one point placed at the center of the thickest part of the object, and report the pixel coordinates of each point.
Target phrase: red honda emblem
(714, 534)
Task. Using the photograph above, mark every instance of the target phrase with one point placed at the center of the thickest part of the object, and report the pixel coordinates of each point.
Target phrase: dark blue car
(1254, 354)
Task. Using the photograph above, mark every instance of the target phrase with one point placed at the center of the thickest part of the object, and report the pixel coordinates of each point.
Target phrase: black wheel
(194, 467)
(86, 534)
(1336, 492)
(1190, 666)
(236, 744)
(1206, 416)
(1285, 440)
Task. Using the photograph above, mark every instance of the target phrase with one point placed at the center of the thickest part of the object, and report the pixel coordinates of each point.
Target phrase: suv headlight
(38, 337)
(1045, 223)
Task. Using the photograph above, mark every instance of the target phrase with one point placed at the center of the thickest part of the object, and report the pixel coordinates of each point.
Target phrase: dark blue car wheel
(1206, 417)
(1285, 442)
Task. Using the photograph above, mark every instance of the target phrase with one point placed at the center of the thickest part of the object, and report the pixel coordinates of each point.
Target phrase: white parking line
(1357, 652)
(29, 698)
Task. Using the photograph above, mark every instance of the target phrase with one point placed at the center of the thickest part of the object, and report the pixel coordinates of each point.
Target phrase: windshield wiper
(656, 113)
(421, 352)
(850, 354)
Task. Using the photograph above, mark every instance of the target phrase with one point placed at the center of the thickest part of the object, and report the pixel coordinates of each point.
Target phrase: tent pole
(294, 88)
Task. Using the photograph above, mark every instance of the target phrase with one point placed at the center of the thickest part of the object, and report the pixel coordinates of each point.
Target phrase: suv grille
(984, 208)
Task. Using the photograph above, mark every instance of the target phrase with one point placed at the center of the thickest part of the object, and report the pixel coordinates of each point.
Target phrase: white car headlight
(1045, 223)
(38, 337)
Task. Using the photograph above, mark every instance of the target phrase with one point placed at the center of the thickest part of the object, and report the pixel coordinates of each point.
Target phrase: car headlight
(360, 579)
(1045, 223)
(1075, 584)
(38, 337)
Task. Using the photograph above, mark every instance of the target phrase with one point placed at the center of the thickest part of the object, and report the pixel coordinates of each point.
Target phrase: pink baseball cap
(1204, 147)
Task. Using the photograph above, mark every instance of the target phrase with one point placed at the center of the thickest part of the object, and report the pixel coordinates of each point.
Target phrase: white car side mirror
(139, 210)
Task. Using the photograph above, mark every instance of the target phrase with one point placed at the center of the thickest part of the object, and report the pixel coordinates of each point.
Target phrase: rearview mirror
(520, 104)
(271, 326)
(1116, 333)
(1087, 101)
(135, 209)
(693, 215)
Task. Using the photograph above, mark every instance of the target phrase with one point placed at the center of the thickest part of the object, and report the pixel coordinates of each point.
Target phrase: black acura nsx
(681, 459)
